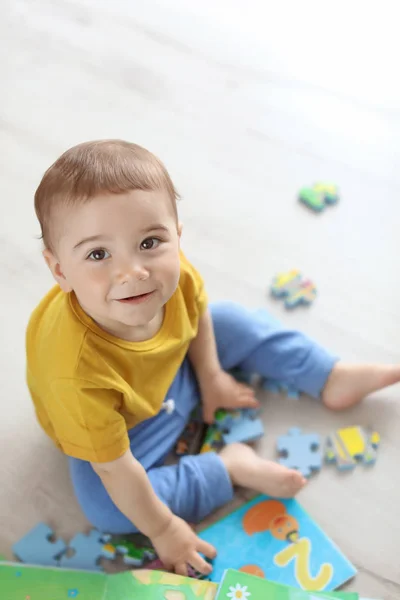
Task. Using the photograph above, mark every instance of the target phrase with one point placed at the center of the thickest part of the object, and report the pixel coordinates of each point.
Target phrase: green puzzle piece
(312, 198)
(319, 195)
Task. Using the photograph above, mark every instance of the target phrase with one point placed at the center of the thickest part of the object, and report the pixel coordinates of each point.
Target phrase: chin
(139, 320)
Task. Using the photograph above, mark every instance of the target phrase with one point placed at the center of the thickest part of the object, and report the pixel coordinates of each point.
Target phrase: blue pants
(193, 488)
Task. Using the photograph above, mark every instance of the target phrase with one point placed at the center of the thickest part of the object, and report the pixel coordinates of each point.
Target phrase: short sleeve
(86, 420)
(200, 294)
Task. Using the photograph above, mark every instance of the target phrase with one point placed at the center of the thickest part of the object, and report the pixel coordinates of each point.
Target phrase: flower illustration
(238, 592)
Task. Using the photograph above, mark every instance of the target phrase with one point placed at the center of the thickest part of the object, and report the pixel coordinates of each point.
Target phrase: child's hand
(223, 391)
(178, 546)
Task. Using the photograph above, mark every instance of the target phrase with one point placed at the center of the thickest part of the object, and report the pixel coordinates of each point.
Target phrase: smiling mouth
(135, 299)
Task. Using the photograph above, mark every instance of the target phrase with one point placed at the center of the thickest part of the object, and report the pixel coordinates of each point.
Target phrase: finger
(247, 394)
(206, 548)
(243, 386)
(245, 402)
(208, 415)
(198, 563)
(181, 569)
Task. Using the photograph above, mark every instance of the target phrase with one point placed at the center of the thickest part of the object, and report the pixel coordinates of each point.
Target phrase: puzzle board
(278, 540)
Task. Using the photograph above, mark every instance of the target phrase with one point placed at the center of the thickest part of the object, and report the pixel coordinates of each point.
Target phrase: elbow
(104, 470)
(101, 469)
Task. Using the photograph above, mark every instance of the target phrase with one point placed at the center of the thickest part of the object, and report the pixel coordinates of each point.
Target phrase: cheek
(172, 269)
(89, 280)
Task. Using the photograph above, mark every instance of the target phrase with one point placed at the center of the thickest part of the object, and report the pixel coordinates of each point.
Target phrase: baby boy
(127, 334)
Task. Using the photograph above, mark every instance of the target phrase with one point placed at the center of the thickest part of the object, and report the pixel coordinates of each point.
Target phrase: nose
(129, 271)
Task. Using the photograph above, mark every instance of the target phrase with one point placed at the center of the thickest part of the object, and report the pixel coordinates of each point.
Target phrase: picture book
(21, 581)
(277, 540)
(26, 582)
(238, 585)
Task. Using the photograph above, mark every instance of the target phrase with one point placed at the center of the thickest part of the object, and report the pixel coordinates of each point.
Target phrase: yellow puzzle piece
(352, 445)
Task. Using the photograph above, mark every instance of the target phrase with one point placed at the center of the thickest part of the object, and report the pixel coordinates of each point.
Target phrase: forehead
(116, 213)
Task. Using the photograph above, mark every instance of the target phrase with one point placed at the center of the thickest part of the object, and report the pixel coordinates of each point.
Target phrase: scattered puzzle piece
(319, 196)
(350, 446)
(37, 547)
(276, 387)
(244, 429)
(293, 289)
(88, 551)
(230, 426)
(300, 451)
(330, 192)
(212, 440)
(283, 283)
(190, 440)
(241, 425)
(133, 554)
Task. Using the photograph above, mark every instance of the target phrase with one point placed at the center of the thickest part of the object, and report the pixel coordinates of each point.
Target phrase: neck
(138, 333)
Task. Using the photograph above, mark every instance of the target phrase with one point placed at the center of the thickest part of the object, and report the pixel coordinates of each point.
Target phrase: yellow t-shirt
(89, 387)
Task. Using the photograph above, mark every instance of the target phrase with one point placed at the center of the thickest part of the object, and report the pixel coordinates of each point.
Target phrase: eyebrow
(92, 238)
(155, 227)
(100, 236)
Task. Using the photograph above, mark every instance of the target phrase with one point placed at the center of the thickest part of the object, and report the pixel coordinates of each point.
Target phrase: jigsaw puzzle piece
(223, 419)
(284, 283)
(290, 391)
(88, 551)
(312, 199)
(37, 547)
(251, 413)
(271, 385)
(300, 451)
(305, 294)
(133, 554)
(244, 429)
(352, 445)
(212, 440)
(373, 442)
(319, 195)
(329, 192)
(190, 439)
(276, 387)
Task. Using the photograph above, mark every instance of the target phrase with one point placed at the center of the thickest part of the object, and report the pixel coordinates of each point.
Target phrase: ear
(180, 227)
(55, 268)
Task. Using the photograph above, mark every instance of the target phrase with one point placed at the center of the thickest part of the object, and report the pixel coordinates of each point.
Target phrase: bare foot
(251, 471)
(349, 383)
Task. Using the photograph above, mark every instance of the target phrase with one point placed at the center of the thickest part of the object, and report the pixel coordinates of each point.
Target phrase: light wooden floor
(245, 105)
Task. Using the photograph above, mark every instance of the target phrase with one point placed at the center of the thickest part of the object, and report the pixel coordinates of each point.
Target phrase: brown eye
(99, 254)
(150, 244)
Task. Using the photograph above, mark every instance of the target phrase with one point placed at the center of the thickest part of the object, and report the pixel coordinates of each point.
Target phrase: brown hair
(93, 168)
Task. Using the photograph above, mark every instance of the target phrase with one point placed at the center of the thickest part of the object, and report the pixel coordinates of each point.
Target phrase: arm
(203, 350)
(129, 487)
(175, 542)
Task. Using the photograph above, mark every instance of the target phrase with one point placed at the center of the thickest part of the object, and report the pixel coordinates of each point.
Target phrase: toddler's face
(120, 255)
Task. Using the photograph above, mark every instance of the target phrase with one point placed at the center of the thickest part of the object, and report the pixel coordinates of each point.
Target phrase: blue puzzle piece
(244, 429)
(300, 451)
(37, 548)
(88, 550)
(251, 413)
(276, 387)
(226, 419)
